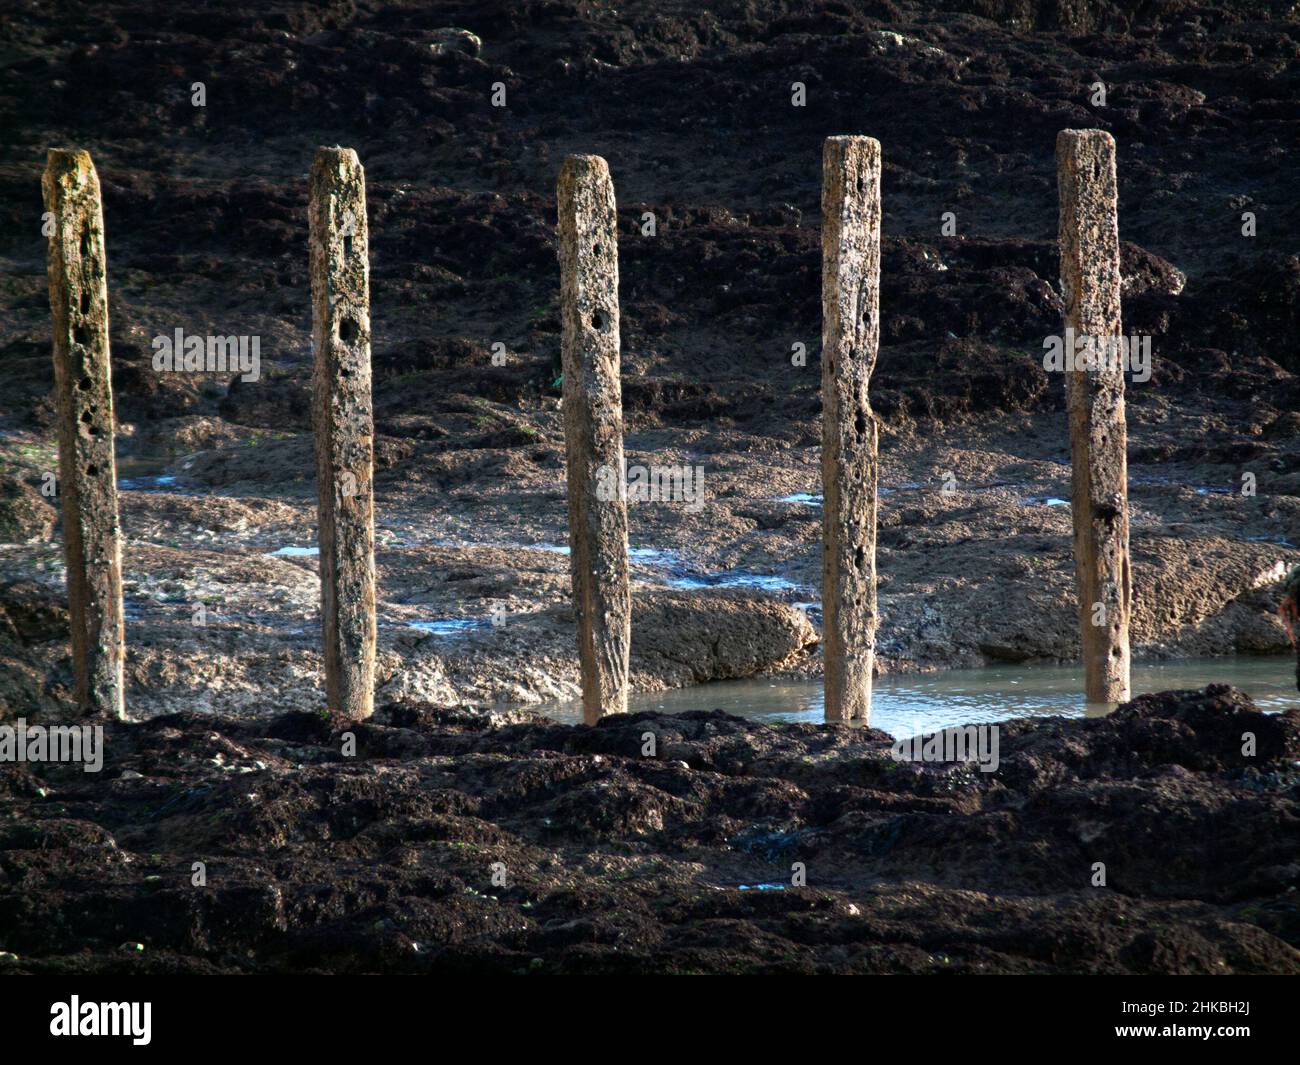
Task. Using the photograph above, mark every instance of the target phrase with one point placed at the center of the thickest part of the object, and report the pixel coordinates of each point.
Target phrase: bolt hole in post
(598, 320)
(347, 247)
(81, 334)
(349, 330)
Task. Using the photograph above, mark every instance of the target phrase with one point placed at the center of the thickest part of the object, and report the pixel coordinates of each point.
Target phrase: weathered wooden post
(850, 338)
(343, 420)
(1289, 609)
(1090, 287)
(87, 468)
(593, 432)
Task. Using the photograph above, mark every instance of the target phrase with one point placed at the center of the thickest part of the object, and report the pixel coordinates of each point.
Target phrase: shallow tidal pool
(905, 704)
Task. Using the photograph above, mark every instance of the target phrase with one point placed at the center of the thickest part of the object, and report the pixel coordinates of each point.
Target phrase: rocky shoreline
(474, 596)
(474, 588)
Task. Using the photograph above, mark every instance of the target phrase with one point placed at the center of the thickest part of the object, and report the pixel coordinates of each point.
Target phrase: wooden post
(343, 420)
(1090, 287)
(850, 338)
(593, 432)
(87, 467)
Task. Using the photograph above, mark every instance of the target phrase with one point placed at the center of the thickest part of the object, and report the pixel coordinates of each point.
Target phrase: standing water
(906, 703)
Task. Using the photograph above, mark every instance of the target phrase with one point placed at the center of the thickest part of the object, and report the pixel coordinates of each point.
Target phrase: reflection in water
(904, 704)
(448, 626)
(144, 474)
(734, 579)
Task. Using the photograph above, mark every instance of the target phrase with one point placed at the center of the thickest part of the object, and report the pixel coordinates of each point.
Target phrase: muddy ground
(457, 841)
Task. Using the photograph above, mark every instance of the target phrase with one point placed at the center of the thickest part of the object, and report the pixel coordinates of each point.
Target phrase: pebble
(451, 39)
